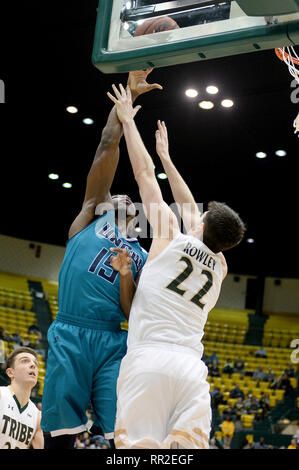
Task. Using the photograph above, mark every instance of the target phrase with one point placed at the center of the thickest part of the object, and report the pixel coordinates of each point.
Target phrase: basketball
(156, 25)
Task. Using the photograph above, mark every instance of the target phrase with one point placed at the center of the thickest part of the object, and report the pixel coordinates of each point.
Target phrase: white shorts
(163, 399)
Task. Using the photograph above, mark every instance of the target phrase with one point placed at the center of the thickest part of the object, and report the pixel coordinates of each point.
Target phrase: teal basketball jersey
(88, 284)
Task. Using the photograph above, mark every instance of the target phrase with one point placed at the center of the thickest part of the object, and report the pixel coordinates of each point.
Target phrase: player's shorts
(82, 367)
(163, 399)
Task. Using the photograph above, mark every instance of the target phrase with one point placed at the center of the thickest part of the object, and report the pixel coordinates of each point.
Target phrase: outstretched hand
(138, 84)
(122, 261)
(123, 102)
(162, 146)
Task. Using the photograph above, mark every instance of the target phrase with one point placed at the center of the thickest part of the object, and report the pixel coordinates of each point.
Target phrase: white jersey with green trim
(176, 291)
(17, 425)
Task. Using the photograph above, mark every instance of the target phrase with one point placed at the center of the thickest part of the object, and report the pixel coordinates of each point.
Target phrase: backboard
(207, 29)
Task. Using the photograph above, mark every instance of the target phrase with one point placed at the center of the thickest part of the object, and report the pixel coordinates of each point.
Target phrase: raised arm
(159, 215)
(103, 168)
(187, 206)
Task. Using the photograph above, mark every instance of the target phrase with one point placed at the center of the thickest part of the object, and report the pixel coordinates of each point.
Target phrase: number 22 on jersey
(174, 285)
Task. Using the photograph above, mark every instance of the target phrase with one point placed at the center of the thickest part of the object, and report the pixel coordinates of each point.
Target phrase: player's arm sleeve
(101, 174)
(38, 439)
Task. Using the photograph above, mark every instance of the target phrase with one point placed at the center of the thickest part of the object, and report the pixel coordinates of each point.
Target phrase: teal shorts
(82, 367)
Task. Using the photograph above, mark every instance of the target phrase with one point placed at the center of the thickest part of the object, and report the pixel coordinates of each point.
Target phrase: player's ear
(10, 372)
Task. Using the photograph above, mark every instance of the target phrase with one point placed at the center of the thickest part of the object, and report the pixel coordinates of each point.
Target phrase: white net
(291, 59)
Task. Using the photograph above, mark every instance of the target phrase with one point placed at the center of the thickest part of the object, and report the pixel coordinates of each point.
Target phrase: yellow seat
(247, 420)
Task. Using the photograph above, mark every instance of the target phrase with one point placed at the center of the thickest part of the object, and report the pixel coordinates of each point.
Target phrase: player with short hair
(19, 416)
(86, 340)
(163, 395)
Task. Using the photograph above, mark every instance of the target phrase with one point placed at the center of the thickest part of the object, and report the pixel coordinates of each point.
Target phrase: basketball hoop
(289, 56)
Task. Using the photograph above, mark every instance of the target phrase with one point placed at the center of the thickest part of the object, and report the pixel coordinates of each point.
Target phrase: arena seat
(16, 312)
(280, 329)
(247, 420)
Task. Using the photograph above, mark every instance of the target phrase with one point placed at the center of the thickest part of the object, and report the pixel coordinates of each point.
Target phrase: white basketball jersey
(17, 425)
(176, 291)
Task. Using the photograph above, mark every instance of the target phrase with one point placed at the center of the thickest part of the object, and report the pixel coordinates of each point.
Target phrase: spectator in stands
(87, 443)
(236, 392)
(261, 352)
(4, 335)
(204, 358)
(247, 445)
(259, 374)
(261, 444)
(27, 342)
(264, 404)
(239, 366)
(214, 369)
(228, 367)
(254, 408)
(211, 358)
(78, 443)
(105, 445)
(239, 409)
(290, 371)
(293, 444)
(96, 444)
(284, 383)
(216, 398)
(38, 347)
(228, 412)
(269, 376)
(34, 329)
(228, 430)
(16, 338)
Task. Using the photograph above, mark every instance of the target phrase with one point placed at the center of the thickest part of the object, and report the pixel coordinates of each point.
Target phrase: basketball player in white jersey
(163, 395)
(19, 417)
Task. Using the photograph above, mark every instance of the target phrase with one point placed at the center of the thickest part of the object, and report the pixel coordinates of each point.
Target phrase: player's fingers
(153, 86)
(118, 250)
(129, 93)
(123, 91)
(136, 109)
(117, 93)
(164, 127)
(112, 97)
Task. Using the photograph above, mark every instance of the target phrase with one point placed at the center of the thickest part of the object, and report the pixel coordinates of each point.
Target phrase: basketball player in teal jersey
(86, 342)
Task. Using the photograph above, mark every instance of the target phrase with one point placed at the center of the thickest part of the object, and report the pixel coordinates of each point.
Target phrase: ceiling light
(227, 103)
(87, 121)
(162, 176)
(213, 90)
(67, 185)
(261, 155)
(250, 240)
(72, 109)
(206, 105)
(53, 176)
(281, 153)
(191, 93)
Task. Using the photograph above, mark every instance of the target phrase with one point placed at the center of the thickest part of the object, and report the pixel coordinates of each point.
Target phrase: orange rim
(281, 55)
